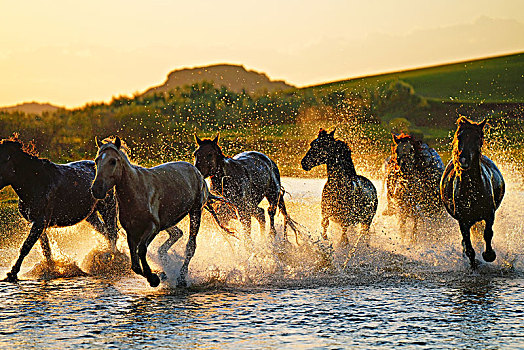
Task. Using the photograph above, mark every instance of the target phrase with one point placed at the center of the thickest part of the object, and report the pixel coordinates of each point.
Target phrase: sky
(72, 52)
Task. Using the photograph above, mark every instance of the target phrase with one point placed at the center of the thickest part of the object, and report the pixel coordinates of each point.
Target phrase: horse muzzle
(306, 165)
(98, 191)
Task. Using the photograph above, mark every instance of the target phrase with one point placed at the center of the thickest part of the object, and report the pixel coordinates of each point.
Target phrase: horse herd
(149, 200)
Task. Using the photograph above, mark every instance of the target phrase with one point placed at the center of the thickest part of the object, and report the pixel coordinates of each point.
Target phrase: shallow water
(381, 292)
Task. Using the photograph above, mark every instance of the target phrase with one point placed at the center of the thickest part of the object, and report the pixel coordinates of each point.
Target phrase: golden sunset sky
(70, 52)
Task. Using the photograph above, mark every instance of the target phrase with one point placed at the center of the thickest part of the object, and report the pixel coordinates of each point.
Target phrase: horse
(347, 198)
(244, 180)
(413, 175)
(52, 195)
(472, 187)
(151, 200)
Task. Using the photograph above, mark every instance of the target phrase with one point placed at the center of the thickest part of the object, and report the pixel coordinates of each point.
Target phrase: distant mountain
(233, 77)
(31, 108)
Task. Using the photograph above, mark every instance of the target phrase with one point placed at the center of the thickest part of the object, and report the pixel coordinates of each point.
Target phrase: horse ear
(118, 142)
(396, 138)
(98, 143)
(463, 121)
(483, 123)
(215, 140)
(198, 140)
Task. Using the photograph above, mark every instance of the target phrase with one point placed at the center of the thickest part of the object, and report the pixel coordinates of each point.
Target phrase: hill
(233, 77)
(487, 80)
(31, 108)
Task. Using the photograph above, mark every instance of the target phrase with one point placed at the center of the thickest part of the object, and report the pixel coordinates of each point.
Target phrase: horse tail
(288, 221)
(213, 198)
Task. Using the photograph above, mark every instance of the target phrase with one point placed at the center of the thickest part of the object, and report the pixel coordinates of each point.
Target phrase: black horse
(472, 186)
(53, 195)
(244, 181)
(413, 175)
(347, 198)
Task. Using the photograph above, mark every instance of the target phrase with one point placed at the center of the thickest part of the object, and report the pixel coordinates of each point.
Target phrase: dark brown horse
(151, 200)
(413, 176)
(53, 195)
(347, 198)
(244, 180)
(472, 186)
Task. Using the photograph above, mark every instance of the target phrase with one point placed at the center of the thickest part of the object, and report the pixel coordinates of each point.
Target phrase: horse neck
(31, 175)
(220, 172)
(340, 164)
(129, 185)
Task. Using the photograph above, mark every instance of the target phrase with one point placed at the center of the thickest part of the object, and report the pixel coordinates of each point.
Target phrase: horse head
(467, 143)
(208, 156)
(320, 150)
(109, 163)
(405, 152)
(11, 151)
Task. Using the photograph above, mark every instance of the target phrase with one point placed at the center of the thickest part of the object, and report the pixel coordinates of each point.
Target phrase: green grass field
(497, 79)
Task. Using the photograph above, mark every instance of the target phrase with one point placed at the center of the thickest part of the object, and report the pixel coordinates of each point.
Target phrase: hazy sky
(71, 52)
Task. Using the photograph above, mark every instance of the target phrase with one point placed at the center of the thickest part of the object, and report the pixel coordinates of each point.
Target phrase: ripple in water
(385, 290)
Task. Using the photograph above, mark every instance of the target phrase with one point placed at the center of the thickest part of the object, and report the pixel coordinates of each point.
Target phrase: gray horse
(151, 200)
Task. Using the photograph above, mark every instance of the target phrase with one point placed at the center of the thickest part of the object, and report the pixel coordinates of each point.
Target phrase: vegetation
(159, 126)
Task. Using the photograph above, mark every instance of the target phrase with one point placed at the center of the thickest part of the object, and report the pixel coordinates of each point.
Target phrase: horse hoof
(153, 280)
(489, 256)
(11, 277)
(475, 263)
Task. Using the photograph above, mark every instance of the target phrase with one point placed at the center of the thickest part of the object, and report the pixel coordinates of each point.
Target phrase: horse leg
(325, 224)
(99, 226)
(174, 235)
(34, 234)
(148, 235)
(287, 218)
(489, 254)
(344, 237)
(260, 215)
(194, 226)
(46, 248)
(466, 243)
(135, 262)
(108, 212)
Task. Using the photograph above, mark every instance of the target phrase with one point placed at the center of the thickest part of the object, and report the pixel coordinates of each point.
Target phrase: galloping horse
(244, 180)
(151, 200)
(472, 186)
(347, 198)
(53, 195)
(413, 175)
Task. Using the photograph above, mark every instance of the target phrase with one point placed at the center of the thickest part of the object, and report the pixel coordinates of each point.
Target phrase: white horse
(151, 200)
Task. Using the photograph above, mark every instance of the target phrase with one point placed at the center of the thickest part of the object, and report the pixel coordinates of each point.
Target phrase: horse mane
(123, 147)
(344, 154)
(215, 147)
(417, 145)
(29, 148)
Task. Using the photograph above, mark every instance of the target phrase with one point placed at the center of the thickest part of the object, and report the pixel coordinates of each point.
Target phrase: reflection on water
(482, 312)
(383, 292)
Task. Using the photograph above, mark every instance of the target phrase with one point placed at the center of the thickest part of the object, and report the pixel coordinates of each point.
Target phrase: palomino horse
(151, 200)
(244, 180)
(53, 195)
(413, 175)
(347, 198)
(472, 186)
